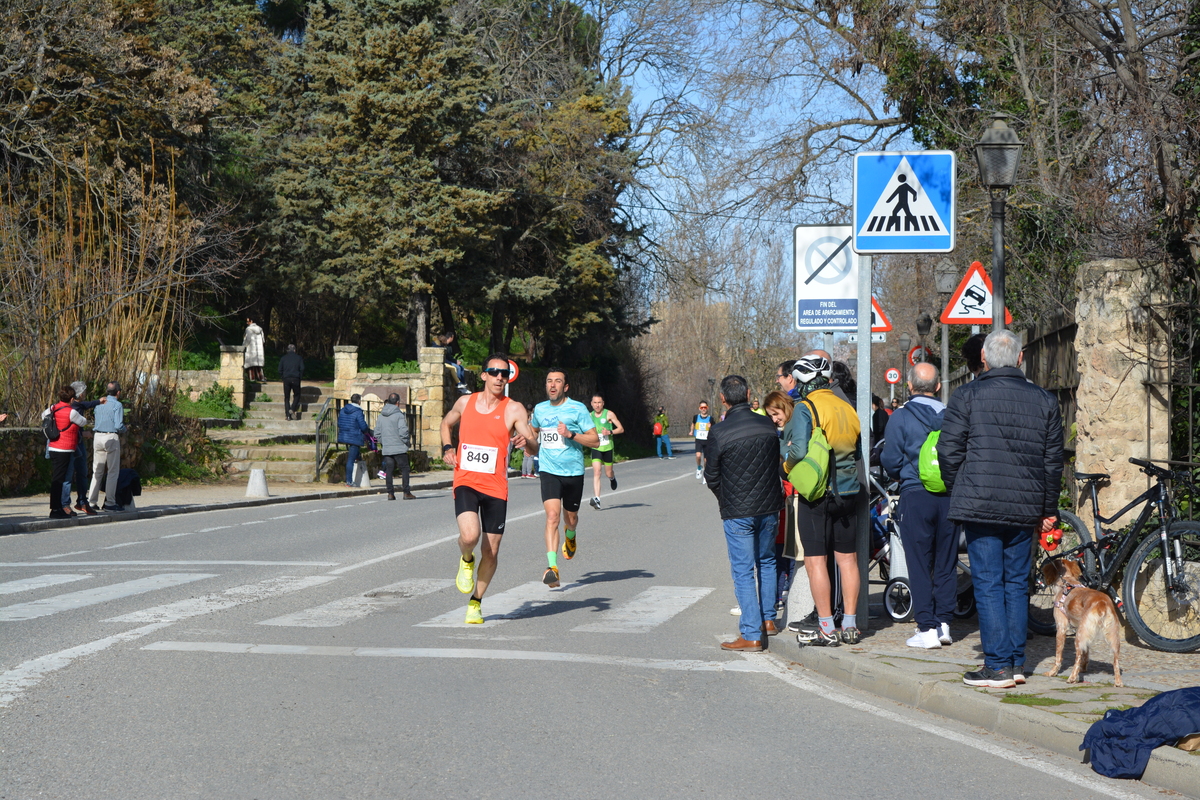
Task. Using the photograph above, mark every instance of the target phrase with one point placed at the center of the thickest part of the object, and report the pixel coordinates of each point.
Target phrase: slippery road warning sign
(971, 303)
(904, 202)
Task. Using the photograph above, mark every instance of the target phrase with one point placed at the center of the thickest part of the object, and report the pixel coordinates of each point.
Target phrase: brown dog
(1088, 610)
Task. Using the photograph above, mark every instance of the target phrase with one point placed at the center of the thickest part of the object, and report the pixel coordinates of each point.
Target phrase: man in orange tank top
(487, 423)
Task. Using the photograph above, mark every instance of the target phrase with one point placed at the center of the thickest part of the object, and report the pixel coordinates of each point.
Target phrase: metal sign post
(863, 542)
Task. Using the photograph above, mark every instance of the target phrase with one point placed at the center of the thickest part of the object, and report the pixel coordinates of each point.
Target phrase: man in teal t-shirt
(564, 427)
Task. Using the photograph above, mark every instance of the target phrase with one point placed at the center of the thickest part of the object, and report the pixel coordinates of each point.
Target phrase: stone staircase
(284, 449)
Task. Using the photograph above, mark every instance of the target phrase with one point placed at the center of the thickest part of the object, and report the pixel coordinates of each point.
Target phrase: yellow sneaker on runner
(551, 577)
(569, 547)
(466, 576)
(474, 613)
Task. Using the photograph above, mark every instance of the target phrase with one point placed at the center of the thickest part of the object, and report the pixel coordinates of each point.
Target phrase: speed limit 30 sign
(892, 375)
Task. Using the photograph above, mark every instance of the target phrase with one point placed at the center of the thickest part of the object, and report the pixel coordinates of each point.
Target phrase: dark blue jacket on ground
(1121, 742)
(906, 431)
(351, 424)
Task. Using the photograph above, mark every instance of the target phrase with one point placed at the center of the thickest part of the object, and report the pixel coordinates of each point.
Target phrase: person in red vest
(69, 423)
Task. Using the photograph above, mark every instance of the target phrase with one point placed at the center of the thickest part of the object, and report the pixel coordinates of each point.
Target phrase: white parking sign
(825, 278)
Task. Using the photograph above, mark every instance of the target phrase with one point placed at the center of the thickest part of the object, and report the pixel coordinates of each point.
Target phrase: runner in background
(699, 430)
(607, 426)
(488, 424)
(564, 427)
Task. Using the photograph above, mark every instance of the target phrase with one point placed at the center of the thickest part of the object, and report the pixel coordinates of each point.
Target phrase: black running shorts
(568, 488)
(823, 532)
(602, 456)
(492, 511)
(702, 446)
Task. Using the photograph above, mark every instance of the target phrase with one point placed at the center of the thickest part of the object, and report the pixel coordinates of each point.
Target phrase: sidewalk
(29, 514)
(1047, 712)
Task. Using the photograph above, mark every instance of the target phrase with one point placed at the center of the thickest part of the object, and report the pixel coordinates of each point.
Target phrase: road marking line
(253, 522)
(680, 665)
(827, 693)
(25, 676)
(646, 611)
(173, 564)
(218, 528)
(518, 602)
(284, 516)
(348, 609)
(123, 544)
(454, 537)
(41, 581)
(177, 535)
(64, 555)
(220, 601)
(91, 597)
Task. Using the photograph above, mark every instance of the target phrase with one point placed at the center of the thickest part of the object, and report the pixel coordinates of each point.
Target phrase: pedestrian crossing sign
(904, 202)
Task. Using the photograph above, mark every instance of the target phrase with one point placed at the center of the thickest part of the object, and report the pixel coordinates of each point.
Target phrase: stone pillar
(232, 374)
(435, 395)
(1122, 353)
(345, 370)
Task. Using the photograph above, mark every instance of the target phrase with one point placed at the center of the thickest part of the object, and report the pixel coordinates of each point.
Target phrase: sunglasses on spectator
(497, 373)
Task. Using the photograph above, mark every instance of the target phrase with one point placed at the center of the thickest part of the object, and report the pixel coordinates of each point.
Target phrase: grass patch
(216, 401)
(1033, 700)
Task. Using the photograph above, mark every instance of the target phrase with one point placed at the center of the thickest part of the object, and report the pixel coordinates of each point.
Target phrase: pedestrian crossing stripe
(904, 202)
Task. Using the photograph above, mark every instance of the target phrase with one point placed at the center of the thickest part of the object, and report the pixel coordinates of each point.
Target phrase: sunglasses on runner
(495, 372)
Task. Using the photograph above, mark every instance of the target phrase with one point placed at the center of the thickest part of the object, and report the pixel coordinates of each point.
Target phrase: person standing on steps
(391, 429)
(698, 430)
(564, 427)
(291, 371)
(607, 426)
(253, 341)
(488, 423)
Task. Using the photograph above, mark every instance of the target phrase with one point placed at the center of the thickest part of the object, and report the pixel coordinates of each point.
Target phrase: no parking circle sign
(892, 375)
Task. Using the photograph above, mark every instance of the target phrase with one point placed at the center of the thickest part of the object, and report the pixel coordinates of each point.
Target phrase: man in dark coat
(351, 425)
(1001, 457)
(291, 370)
(742, 470)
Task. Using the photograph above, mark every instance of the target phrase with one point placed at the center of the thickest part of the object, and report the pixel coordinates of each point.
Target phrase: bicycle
(1158, 574)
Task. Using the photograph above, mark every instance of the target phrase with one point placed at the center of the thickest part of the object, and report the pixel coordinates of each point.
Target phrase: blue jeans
(351, 457)
(664, 439)
(751, 544)
(1001, 557)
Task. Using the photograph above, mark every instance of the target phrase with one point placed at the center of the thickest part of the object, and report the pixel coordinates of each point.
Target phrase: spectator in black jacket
(742, 470)
(291, 370)
(1001, 457)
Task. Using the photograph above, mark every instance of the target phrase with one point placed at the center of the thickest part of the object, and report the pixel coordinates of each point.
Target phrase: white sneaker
(699, 474)
(736, 611)
(926, 640)
(944, 633)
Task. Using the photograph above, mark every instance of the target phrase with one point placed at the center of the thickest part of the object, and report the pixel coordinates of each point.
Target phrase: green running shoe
(466, 576)
(474, 612)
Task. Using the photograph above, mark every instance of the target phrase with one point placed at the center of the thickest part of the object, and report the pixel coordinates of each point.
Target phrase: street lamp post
(905, 340)
(924, 326)
(998, 154)
(946, 277)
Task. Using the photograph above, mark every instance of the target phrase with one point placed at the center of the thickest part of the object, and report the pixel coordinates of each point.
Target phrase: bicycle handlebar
(1155, 470)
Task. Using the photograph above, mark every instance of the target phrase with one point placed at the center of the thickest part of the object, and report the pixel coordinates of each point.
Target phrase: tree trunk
(499, 318)
(447, 312)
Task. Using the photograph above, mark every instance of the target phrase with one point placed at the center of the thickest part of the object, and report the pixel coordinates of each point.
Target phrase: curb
(1169, 768)
(170, 511)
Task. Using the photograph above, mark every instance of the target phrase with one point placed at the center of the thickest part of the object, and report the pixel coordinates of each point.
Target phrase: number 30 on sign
(892, 375)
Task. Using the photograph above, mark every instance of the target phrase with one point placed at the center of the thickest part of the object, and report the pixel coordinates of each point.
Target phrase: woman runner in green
(608, 426)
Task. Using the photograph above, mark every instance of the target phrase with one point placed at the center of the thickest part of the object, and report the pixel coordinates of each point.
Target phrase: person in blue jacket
(929, 537)
(352, 425)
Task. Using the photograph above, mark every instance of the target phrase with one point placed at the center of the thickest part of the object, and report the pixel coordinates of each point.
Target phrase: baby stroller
(887, 551)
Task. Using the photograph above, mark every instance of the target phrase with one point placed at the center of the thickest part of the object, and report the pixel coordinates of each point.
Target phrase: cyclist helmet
(811, 367)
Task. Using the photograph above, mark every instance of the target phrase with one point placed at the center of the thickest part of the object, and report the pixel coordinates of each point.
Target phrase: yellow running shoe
(474, 613)
(551, 577)
(569, 547)
(466, 576)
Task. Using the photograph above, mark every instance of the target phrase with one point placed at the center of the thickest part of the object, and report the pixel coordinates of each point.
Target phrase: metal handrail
(324, 423)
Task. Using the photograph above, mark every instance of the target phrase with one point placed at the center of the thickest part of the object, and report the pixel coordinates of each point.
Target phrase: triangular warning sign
(879, 321)
(971, 303)
(903, 208)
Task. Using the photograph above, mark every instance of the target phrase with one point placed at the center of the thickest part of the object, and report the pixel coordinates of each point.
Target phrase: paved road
(316, 649)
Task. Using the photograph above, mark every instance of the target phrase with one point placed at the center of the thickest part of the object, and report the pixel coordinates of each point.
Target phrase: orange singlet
(483, 450)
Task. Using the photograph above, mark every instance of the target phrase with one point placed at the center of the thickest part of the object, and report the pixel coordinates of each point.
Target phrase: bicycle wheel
(897, 599)
(1041, 596)
(1165, 619)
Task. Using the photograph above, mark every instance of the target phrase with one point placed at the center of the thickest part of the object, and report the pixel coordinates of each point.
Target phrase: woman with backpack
(62, 425)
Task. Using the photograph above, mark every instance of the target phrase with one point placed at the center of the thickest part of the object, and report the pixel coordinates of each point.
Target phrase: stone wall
(1121, 350)
(24, 464)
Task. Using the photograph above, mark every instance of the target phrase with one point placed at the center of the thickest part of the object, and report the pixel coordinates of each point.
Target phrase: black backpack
(50, 426)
